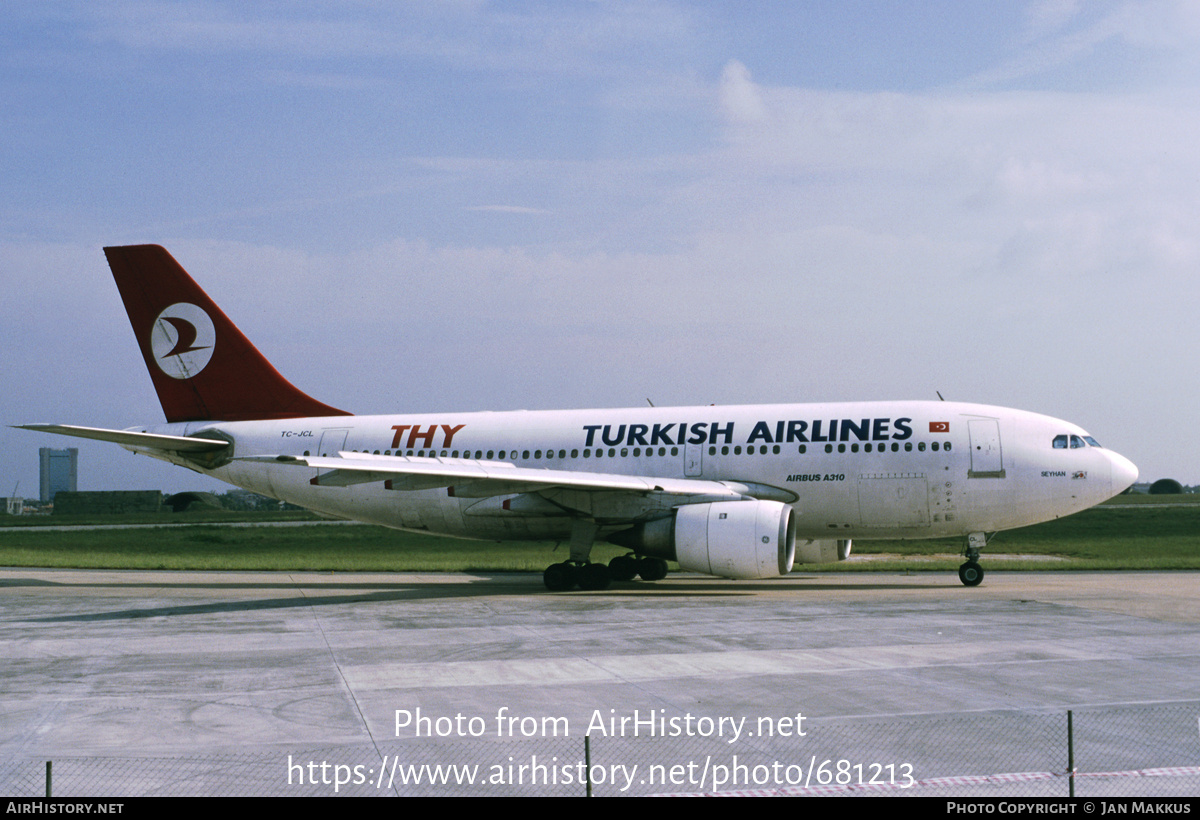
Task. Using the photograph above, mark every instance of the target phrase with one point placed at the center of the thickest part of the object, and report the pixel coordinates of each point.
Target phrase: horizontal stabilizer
(130, 438)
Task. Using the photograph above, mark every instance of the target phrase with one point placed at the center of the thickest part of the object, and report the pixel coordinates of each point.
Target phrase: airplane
(741, 492)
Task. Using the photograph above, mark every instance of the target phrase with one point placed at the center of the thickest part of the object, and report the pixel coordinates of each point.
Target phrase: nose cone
(1124, 472)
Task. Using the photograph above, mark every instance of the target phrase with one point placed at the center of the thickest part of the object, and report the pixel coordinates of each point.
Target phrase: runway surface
(284, 683)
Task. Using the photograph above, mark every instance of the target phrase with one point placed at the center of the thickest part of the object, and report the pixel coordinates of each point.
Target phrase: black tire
(652, 569)
(623, 568)
(971, 574)
(559, 577)
(594, 577)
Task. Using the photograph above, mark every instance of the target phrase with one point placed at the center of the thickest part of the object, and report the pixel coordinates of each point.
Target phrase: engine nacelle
(822, 550)
(732, 539)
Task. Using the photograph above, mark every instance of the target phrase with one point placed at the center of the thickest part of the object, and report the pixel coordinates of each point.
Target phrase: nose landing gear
(970, 573)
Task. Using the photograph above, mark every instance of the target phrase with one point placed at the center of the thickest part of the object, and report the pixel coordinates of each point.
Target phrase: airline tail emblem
(202, 366)
(182, 339)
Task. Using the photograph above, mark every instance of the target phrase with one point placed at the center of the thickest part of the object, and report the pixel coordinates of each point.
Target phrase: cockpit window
(1063, 441)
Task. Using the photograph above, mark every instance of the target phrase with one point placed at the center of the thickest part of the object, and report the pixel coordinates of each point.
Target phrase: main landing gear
(590, 577)
(579, 571)
(568, 575)
(970, 573)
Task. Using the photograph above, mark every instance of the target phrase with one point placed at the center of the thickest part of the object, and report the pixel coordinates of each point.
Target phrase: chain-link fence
(1129, 751)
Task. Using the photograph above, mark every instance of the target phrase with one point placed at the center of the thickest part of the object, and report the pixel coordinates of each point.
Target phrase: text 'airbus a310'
(737, 492)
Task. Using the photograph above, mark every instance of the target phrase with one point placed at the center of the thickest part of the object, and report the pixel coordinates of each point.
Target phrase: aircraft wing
(132, 438)
(468, 478)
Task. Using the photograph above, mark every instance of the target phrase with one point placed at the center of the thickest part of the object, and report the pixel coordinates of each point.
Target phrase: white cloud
(739, 96)
(1095, 37)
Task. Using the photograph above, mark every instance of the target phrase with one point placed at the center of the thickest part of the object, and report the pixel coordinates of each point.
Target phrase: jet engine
(731, 539)
(822, 550)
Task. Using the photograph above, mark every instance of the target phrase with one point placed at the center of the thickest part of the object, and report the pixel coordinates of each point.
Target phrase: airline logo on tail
(182, 339)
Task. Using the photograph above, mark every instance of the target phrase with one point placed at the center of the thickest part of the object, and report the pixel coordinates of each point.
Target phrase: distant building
(1166, 486)
(108, 502)
(59, 471)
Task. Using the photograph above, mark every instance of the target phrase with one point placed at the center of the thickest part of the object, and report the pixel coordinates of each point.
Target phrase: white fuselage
(855, 470)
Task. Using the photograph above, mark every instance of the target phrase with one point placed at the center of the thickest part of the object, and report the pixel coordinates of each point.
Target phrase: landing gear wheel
(970, 574)
(652, 569)
(593, 577)
(623, 568)
(559, 577)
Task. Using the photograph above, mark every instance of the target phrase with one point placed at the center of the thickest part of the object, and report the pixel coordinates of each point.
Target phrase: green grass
(351, 547)
(1125, 534)
(1143, 500)
(198, 516)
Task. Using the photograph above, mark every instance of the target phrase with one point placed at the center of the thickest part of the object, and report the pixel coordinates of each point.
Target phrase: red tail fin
(202, 366)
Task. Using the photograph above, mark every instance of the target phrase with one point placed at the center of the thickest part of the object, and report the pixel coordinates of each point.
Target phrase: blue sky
(474, 205)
